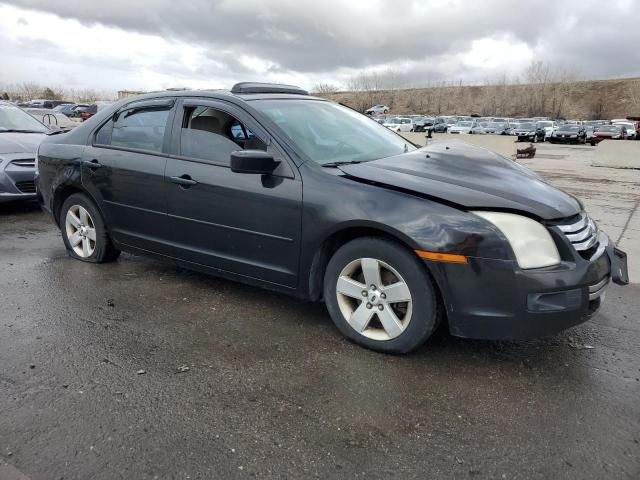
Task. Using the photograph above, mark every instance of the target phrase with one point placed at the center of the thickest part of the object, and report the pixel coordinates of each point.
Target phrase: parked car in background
(589, 129)
(66, 109)
(76, 110)
(464, 126)
(608, 132)
(549, 126)
(448, 232)
(569, 133)
(451, 121)
(377, 110)
(399, 124)
(630, 129)
(423, 124)
(497, 128)
(51, 118)
(20, 135)
(479, 128)
(85, 112)
(528, 132)
(440, 125)
(42, 103)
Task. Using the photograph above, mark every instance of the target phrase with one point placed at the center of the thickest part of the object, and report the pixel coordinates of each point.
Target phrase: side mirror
(252, 161)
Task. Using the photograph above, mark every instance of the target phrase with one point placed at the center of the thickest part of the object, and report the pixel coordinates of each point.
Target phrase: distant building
(128, 93)
(132, 93)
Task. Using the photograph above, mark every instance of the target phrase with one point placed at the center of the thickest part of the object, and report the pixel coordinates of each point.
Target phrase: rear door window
(136, 129)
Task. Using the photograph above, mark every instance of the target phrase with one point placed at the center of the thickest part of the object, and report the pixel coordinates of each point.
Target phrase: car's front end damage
(519, 258)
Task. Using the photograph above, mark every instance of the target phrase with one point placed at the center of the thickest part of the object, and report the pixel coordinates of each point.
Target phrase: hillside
(591, 99)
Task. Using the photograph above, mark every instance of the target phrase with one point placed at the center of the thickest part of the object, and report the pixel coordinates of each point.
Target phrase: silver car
(20, 135)
(51, 118)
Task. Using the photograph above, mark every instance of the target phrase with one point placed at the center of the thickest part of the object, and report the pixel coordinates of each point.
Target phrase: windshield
(14, 118)
(497, 125)
(392, 120)
(570, 128)
(527, 126)
(327, 132)
(545, 124)
(464, 124)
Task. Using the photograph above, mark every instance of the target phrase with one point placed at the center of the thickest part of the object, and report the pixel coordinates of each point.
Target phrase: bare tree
(324, 89)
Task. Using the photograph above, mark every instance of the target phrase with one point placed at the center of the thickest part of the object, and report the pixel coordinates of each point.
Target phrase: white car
(51, 118)
(464, 126)
(549, 127)
(631, 129)
(377, 110)
(399, 124)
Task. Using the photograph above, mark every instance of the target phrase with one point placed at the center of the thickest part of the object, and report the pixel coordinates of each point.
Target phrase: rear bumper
(496, 300)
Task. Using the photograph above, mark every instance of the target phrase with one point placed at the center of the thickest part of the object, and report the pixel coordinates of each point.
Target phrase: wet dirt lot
(138, 370)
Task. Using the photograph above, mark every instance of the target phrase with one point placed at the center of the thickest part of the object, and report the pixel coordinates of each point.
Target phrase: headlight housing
(530, 241)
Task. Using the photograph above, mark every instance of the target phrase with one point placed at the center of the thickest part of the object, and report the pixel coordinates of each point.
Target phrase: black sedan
(569, 133)
(528, 132)
(270, 186)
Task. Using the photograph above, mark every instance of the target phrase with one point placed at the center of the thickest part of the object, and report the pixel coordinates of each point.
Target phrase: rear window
(135, 129)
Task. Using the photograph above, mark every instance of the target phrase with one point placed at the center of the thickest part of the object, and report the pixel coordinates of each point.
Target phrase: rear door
(246, 224)
(124, 170)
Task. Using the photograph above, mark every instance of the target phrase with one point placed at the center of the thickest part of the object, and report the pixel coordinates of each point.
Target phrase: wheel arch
(65, 191)
(344, 234)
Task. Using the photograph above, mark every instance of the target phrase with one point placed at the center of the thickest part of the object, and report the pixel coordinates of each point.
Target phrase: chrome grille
(27, 162)
(582, 233)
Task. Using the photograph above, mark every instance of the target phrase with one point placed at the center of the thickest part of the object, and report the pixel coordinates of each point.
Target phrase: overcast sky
(153, 44)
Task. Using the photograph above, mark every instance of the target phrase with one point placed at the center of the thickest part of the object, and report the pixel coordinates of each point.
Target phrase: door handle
(184, 180)
(92, 163)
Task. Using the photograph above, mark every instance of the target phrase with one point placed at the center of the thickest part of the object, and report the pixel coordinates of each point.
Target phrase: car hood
(11, 142)
(468, 176)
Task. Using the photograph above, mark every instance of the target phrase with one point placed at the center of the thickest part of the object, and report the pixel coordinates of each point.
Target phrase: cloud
(218, 42)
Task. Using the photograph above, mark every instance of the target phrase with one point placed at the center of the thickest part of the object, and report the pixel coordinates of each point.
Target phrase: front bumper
(525, 137)
(17, 179)
(496, 300)
(564, 140)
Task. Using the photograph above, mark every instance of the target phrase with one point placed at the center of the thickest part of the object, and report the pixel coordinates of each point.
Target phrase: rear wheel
(83, 231)
(380, 296)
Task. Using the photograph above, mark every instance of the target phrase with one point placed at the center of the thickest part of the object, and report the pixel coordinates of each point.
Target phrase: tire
(380, 324)
(80, 220)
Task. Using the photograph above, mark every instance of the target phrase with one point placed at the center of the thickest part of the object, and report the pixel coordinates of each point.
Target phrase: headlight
(530, 241)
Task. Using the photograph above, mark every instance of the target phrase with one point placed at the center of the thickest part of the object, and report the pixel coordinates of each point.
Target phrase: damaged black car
(267, 185)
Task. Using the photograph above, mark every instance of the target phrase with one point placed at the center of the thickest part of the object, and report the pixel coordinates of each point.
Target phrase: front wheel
(380, 295)
(83, 231)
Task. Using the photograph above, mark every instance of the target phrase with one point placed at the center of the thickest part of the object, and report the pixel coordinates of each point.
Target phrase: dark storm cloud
(316, 37)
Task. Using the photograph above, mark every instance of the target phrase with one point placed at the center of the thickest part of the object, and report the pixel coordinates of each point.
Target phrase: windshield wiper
(337, 164)
(60, 130)
(17, 130)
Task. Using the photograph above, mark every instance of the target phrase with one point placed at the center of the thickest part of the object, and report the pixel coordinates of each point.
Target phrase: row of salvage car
(525, 129)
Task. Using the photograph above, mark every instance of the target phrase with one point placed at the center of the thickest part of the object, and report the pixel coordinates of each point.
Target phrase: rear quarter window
(136, 130)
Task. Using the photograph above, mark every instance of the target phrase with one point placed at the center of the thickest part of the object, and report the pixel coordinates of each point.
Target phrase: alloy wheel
(81, 231)
(374, 299)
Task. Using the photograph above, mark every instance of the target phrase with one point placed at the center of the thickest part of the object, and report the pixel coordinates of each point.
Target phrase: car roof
(222, 95)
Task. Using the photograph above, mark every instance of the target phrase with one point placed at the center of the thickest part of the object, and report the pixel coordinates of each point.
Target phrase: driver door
(246, 224)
